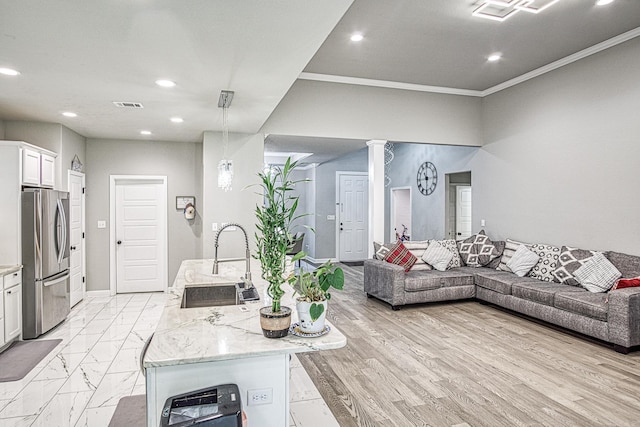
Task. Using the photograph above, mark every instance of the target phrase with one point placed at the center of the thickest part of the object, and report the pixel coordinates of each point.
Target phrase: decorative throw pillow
(417, 248)
(452, 246)
(499, 244)
(569, 261)
(381, 249)
(437, 256)
(477, 250)
(626, 283)
(522, 261)
(510, 248)
(597, 274)
(549, 255)
(401, 256)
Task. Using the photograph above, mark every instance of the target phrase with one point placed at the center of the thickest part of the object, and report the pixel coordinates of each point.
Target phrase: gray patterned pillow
(569, 261)
(510, 248)
(381, 249)
(549, 255)
(477, 250)
(453, 247)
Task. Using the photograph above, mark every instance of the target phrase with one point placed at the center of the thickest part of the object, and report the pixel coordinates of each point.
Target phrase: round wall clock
(427, 178)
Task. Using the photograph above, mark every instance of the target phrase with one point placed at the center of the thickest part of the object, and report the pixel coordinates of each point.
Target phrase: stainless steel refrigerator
(45, 259)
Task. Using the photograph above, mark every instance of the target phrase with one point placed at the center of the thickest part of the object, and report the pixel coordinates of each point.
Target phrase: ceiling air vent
(128, 104)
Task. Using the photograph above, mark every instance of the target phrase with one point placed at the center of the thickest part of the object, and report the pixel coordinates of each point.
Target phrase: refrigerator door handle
(47, 283)
(38, 232)
(60, 224)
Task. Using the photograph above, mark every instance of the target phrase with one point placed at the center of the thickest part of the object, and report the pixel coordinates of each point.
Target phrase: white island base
(196, 348)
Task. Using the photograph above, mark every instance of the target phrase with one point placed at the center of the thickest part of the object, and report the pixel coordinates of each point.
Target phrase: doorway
(400, 212)
(138, 230)
(459, 205)
(77, 255)
(352, 225)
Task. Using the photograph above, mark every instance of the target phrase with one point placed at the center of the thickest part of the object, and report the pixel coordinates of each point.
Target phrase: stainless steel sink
(214, 295)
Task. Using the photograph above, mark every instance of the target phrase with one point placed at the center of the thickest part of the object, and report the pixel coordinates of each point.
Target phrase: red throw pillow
(400, 255)
(626, 283)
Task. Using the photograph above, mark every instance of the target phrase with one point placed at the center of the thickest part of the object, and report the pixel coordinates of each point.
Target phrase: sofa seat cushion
(583, 303)
(541, 292)
(500, 281)
(415, 281)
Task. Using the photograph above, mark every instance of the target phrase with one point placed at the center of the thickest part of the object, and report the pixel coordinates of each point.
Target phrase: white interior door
(353, 219)
(400, 212)
(76, 237)
(140, 233)
(463, 211)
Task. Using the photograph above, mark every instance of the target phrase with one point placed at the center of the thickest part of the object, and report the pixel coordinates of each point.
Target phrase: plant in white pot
(313, 290)
(273, 239)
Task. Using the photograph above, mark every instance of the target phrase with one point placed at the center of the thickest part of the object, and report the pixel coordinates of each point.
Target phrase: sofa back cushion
(628, 265)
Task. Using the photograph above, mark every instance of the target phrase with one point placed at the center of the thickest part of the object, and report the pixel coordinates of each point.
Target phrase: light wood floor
(466, 364)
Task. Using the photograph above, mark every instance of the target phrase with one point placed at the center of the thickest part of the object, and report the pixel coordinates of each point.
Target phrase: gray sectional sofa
(613, 317)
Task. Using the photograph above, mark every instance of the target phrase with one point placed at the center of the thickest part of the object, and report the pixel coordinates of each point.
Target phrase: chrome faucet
(216, 261)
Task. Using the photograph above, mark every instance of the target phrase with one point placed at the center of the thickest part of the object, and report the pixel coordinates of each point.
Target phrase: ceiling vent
(128, 104)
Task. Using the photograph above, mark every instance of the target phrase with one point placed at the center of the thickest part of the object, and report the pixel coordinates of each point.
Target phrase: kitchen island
(194, 348)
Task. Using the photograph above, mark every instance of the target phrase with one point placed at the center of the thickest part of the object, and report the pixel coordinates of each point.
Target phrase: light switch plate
(102, 224)
(331, 217)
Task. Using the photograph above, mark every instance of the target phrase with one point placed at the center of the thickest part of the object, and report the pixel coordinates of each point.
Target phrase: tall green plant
(274, 221)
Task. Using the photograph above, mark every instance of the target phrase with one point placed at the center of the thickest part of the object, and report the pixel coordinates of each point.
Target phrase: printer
(217, 406)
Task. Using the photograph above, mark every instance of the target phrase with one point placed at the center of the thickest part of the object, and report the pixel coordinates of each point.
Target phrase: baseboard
(94, 294)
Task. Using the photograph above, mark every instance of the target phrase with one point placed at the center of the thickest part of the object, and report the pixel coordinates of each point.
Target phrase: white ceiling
(81, 55)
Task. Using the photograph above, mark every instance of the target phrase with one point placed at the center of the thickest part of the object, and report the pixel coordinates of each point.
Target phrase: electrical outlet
(214, 226)
(261, 396)
(482, 223)
(102, 224)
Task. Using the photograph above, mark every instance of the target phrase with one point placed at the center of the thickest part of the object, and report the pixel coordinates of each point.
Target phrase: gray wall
(180, 162)
(325, 204)
(72, 144)
(427, 212)
(337, 110)
(560, 161)
(237, 205)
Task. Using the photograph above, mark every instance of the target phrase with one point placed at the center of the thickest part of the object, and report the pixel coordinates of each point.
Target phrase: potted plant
(313, 290)
(273, 239)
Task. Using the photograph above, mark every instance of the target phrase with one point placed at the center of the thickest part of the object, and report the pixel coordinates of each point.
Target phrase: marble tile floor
(80, 382)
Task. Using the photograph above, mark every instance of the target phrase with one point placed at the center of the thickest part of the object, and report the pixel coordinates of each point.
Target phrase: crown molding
(387, 84)
(564, 61)
(476, 93)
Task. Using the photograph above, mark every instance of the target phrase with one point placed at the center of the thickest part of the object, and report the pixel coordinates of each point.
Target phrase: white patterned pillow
(453, 247)
(478, 250)
(437, 256)
(510, 248)
(597, 274)
(417, 248)
(569, 261)
(549, 255)
(522, 261)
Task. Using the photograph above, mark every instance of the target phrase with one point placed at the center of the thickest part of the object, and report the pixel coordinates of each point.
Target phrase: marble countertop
(8, 269)
(194, 335)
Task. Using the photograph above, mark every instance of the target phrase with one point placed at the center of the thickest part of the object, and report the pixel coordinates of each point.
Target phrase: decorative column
(376, 192)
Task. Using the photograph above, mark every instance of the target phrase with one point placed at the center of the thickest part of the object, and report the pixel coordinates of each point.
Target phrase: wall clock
(427, 178)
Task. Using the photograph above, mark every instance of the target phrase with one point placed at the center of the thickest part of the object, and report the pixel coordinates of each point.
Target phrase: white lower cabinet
(2, 341)
(12, 312)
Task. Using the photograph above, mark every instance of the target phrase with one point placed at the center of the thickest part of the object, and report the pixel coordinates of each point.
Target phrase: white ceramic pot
(306, 324)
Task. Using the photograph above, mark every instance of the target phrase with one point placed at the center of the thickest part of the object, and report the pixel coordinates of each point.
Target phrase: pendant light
(225, 166)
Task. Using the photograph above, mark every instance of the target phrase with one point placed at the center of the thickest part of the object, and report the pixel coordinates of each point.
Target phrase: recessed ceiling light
(165, 83)
(177, 119)
(145, 132)
(356, 37)
(603, 2)
(69, 114)
(9, 72)
(494, 57)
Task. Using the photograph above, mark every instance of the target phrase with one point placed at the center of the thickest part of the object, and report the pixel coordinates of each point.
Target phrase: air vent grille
(126, 104)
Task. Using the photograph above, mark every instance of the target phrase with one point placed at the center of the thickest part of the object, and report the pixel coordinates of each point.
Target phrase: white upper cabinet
(47, 170)
(38, 168)
(30, 167)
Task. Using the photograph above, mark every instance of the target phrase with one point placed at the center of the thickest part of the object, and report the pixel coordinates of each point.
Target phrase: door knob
(119, 242)
(73, 248)
(459, 234)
